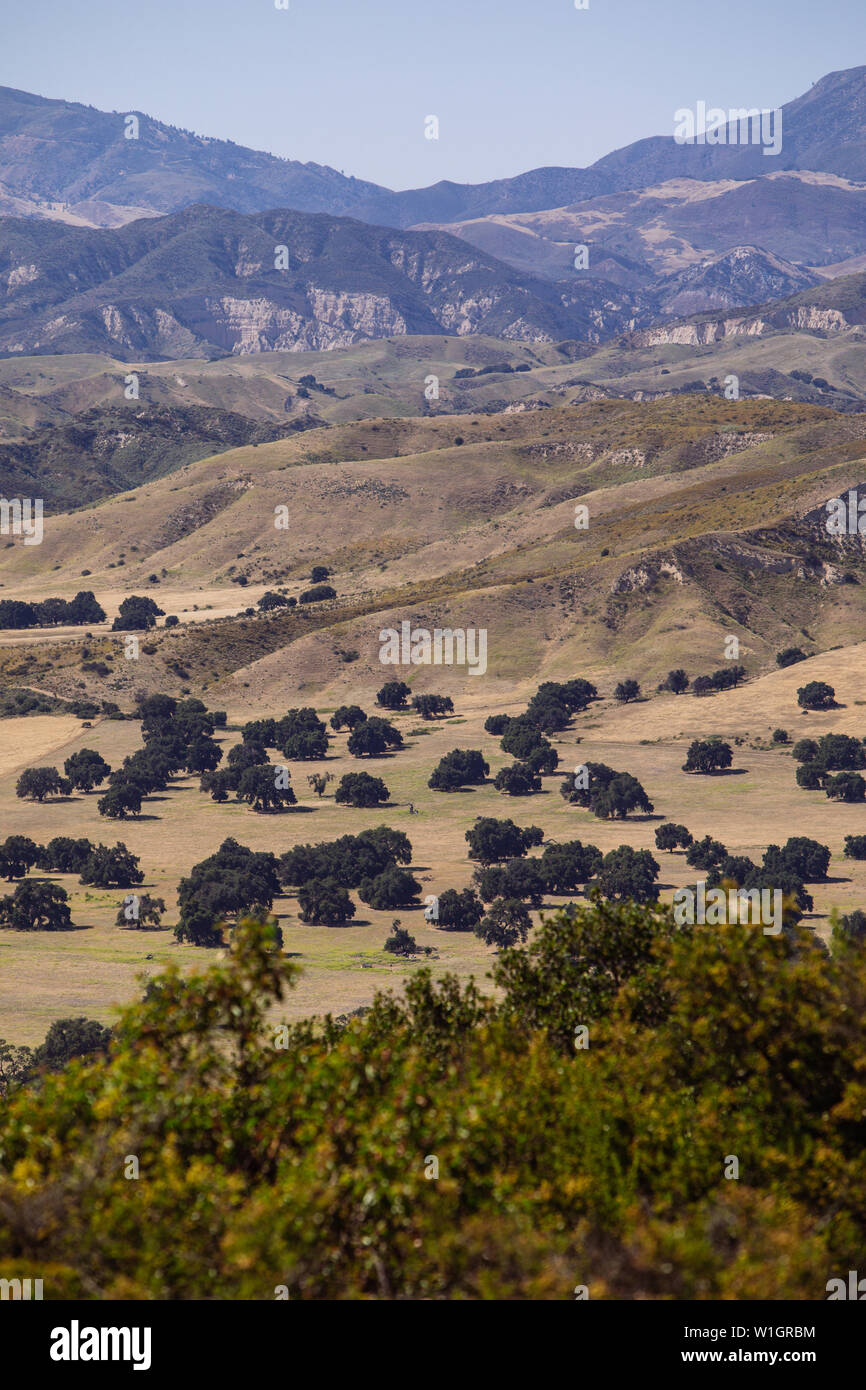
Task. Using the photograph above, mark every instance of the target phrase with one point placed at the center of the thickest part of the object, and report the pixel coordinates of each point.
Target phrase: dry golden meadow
(89, 971)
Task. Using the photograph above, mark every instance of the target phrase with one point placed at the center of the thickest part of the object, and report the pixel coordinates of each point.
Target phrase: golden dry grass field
(93, 968)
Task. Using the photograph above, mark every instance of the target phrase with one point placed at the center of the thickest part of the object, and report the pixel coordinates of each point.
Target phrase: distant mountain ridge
(206, 283)
(62, 158)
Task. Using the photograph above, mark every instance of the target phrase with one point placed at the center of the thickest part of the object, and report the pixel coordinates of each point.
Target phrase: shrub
(855, 846)
(505, 923)
(460, 767)
(373, 738)
(393, 695)
(708, 756)
(360, 789)
(36, 905)
(37, 783)
(626, 691)
(567, 866)
(493, 841)
(137, 614)
(323, 902)
(458, 911)
(790, 656)
(671, 837)
(816, 695)
(392, 888)
(266, 788)
(517, 780)
(105, 867)
(629, 873)
(400, 943)
(317, 593)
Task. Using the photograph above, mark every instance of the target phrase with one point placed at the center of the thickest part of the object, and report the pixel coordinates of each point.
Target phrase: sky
(515, 84)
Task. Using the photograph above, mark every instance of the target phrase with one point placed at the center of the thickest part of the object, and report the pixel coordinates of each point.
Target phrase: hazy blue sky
(515, 83)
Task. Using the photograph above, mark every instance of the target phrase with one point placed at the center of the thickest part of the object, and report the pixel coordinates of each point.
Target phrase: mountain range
(169, 245)
(62, 159)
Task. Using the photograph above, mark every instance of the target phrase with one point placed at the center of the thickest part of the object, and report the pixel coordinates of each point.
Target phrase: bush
(373, 738)
(323, 902)
(18, 853)
(517, 780)
(393, 695)
(392, 888)
(626, 691)
(36, 905)
(681, 1014)
(37, 783)
(506, 922)
(816, 695)
(790, 656)
(360, 789)
(671, 837)
(137, 614)
(266, 788)
(271, 599)
(317, 593)
(708, 756)
(85, 770)
(105, 867)
(458, 911)
(780, 736)
(629, 873)
(460, 767)
(400, 943)
(493, 841)
(855, 846)
(319, 573)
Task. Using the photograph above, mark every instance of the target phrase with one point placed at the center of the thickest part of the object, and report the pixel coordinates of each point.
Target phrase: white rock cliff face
(335, 320)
